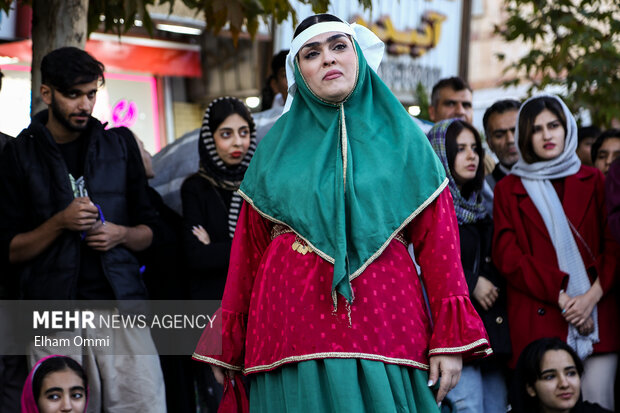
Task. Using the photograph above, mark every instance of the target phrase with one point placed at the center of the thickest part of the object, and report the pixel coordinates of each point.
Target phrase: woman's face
(559, 384)
(62, 391)
(328, 63)
(232, 139)
(466, 159)
(607, 154)
(548, 136)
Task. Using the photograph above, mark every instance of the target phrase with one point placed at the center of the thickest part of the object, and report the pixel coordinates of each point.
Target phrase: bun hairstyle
(312, 20)
(527, 116)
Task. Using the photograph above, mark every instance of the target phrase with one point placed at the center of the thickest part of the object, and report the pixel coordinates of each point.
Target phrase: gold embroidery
(463, 348)
(300, 247)
(344, 149)
(400, 237)
(279, 229)
(376, 255)
(366, 356)
(216, 362)
(399, 229)
(272, 219)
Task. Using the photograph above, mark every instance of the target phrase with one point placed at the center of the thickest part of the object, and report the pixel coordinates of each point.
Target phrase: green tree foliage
(120, 15)
(421, 98)
(573, 43)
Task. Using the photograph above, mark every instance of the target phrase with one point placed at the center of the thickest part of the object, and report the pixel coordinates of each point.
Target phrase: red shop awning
(155, 57)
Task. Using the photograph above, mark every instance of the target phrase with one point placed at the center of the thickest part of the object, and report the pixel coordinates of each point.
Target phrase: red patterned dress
(277, 306)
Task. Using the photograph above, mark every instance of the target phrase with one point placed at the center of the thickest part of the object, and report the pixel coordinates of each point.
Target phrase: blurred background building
(159, 86)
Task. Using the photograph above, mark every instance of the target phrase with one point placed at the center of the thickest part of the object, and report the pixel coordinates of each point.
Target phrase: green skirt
(342, 385)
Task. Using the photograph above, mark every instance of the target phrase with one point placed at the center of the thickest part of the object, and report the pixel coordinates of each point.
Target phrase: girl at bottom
(548, 379)
(55, 384)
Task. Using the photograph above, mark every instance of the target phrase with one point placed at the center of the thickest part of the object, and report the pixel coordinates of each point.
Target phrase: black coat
(206, 205)
(476, 240)
(4, 139)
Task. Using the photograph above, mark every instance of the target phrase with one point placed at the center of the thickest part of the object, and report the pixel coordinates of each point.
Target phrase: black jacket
(205, 205)
(37, 182)
(476, 241)
(4, 139)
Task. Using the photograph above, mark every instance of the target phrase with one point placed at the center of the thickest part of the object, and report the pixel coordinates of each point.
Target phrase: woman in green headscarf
(323, 305)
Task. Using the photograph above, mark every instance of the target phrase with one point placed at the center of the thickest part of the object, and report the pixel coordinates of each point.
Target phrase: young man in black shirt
(74, 207)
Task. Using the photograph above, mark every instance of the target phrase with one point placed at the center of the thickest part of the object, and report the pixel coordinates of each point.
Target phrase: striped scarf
(214, 170)
(468, 210)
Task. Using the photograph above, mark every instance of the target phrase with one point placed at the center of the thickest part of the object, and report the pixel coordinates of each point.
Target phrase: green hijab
(345, 177)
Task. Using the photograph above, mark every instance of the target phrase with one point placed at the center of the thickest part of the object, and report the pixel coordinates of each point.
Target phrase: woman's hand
(220, 373)
(578, 309)
(202, 234)
(448, 367)
(485, 293)
(587, 327)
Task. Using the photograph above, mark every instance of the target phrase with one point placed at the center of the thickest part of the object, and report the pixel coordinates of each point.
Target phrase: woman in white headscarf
(323, 307)
(553, 247)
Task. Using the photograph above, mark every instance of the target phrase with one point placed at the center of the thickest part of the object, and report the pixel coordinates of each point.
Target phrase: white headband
(371, 46)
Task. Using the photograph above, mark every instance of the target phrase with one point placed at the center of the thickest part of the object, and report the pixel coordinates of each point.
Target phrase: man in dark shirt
(500, 122)
(74, 209)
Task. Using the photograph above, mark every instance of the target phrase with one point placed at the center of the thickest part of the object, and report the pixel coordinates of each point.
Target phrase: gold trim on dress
(462, 348)
(415, 213)
(216, 362)
(279, 229)
(277, 221)
(330, 259)
(366, 356)
(345, 146)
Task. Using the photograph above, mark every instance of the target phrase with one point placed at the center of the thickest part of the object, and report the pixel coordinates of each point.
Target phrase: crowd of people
(362, 265)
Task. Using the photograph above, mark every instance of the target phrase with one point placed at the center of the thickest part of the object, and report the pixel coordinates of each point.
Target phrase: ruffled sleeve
(224, 344)
(457, 327)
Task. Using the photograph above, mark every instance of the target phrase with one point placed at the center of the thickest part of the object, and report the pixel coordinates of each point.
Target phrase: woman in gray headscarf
(553, 247)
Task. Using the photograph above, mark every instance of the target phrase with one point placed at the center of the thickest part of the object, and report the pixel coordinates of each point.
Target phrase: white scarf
(371, 46)
(536, 180)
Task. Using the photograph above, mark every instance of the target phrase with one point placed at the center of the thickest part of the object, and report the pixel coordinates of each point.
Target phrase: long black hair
(527, 117)
(527, 372)
(452, 133)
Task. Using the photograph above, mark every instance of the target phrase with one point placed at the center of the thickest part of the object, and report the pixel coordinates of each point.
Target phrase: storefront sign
(402, 75)
(414, 42)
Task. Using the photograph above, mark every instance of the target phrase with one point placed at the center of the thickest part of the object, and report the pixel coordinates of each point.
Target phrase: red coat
(524, 254)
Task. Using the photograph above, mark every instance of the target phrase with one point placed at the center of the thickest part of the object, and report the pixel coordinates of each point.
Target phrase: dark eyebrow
(78, 91)
(329, 39)
(59, 389)
(503, 130)
(52, 390)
